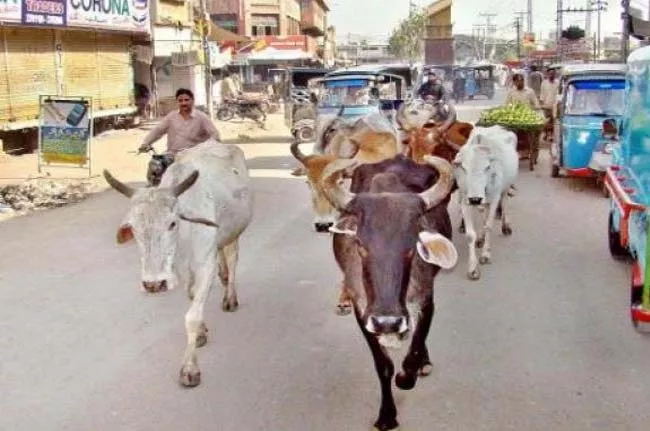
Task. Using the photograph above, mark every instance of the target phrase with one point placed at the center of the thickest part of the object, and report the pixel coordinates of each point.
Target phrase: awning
(218, 34)
(272, 54)
(638, 28)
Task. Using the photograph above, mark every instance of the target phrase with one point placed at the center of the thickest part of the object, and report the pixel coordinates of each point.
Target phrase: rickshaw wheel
(614, 239)
(636, 292)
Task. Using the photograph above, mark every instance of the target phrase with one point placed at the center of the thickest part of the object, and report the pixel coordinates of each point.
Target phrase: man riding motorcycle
(185, 128)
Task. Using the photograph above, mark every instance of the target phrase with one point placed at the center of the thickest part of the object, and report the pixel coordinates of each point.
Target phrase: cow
(369, 139)
(187, 230)
(485, 169)
(391, 240)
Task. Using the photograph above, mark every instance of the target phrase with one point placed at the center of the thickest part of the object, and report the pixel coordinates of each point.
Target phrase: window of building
(228, 22)
(265, 25)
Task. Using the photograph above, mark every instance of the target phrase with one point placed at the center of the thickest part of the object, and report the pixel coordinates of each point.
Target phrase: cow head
(414, 114)
(473, 169)
(388, 231)
(314, 166)
(153, 221)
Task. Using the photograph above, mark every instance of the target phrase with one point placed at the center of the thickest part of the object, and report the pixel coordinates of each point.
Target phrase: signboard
(10, 10)
(65, 131)
(130, 15)
(284, 42)
(44, 12)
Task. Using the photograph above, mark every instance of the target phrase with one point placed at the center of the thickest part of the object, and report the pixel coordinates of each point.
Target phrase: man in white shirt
(548, 97)
(520, 94)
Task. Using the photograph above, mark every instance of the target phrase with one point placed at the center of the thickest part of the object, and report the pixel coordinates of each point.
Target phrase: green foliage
(406, 40)
(573, 33)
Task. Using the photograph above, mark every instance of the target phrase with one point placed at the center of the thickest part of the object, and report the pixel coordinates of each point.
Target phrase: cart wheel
(555, 170)
(636, 293)
(614, 239)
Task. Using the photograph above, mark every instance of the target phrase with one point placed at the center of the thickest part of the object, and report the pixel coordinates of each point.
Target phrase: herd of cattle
(383, 197)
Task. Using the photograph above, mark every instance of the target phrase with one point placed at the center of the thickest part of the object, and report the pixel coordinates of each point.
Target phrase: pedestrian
(520, 94)
(548, 98)
(535, 80)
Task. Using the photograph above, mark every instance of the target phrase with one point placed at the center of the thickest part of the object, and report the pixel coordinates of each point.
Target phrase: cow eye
(172, 225)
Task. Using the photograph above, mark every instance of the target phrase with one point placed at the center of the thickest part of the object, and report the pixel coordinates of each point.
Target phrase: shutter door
(115, 71)
(80, 74)
(32, 70)
(5, 106)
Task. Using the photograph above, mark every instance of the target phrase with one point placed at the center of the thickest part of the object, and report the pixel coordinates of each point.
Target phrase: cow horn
(181, 188)
(399, 117)
(435, 194)
(451, 118)
(295, 151)
(333, 182)
(118, 185)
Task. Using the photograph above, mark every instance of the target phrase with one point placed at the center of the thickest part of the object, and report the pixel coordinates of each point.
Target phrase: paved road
(541, 342)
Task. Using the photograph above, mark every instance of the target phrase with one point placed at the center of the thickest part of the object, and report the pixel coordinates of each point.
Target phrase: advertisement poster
(131, 15)
(10, 10)
(44, 12)
(65, 130)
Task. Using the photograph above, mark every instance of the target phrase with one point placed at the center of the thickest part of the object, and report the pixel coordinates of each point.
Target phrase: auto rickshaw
(591, 104)
(352, 95)
(628, 182)
(485, 84)
(299, 109)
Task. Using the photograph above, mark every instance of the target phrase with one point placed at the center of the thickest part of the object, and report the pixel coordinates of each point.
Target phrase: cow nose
(475, 201)
(387, 324)
(323, 226)
(155, 286)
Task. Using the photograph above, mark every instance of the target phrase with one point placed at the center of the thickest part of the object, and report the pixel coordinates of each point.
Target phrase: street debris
(35, 194)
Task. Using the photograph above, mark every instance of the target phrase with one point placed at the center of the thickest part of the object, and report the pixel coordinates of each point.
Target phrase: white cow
(485, 169)
(187, 230)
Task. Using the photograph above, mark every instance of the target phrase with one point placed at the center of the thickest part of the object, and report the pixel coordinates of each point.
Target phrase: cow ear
(124, 234)
(436, 249)
(346, 224)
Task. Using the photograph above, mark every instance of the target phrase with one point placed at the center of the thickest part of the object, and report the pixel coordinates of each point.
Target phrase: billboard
(10, 10)
(128, 15)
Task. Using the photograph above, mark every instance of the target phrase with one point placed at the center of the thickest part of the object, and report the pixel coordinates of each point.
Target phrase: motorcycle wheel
(225, 114)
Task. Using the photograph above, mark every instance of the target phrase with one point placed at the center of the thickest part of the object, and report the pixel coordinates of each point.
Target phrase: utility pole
(530, 16)
(489, 27)
(518, 27)
(599, 6)
(559, 9)
(519, 20)
(205, 26)
(625, 39)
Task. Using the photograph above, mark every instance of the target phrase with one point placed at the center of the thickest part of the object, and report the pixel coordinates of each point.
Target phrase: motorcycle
(157, 166)
(250, 109)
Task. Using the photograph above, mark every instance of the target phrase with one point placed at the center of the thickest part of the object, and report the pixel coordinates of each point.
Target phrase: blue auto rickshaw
(591, 102)
(628, 182)
(355, 94)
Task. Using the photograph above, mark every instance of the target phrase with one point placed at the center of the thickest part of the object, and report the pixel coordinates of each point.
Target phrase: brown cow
(369, 139)
(391, 240)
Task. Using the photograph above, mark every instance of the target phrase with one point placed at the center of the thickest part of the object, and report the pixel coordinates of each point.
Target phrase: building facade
(285, 32)
(439, 41)
(78, 48)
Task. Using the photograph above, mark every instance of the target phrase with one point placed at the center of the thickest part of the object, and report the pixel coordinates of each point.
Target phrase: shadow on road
(272, 162)
(245, 139)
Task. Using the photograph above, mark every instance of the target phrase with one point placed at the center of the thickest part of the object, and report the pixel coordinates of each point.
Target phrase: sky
(376, 18)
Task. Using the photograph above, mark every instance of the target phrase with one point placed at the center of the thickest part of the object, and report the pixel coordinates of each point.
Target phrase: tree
(406, 40)
(573, 33)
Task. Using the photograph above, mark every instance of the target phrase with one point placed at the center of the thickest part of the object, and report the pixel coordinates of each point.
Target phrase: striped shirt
(182, 133)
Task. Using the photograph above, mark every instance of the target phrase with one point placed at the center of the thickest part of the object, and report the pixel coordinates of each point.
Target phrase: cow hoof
(474, 275)
(506, 230)
(343, 309)
(461, 229)
(202, 337)
(190, 376)
(480, 241)
(484, 259)
(405, 381)
(426, 369)
(229, 304)
(386, 425)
